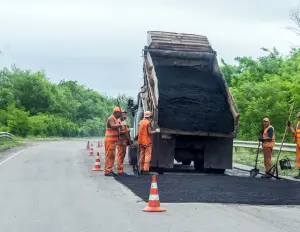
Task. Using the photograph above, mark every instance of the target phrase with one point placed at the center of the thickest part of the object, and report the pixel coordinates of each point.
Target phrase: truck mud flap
(163, 151)
(218, 153)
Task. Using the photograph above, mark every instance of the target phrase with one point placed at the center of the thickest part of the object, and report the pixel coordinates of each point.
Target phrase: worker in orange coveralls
(145, 142)
(110, 140)
(296, 133)
(123, 142)
(268, 143)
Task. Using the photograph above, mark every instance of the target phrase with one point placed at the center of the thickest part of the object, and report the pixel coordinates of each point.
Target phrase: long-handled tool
(275, 166)
(120, 116)
(255, 170)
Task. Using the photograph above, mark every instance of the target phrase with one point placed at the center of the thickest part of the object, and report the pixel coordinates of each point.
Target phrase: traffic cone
(97, 165)
(88, 146)
(154, 203)
(99, 145)
(91, 150)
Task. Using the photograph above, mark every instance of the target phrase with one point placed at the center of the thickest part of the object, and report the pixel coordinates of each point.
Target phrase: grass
(246, 157)
(6, 144)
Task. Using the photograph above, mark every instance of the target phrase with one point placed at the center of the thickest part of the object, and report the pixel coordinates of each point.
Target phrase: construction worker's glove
(288, 123)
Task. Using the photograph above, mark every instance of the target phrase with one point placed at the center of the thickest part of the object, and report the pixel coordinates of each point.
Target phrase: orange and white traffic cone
(98, 145)
(154, 203)
(97, 165)
(91, 150)
(88, 146)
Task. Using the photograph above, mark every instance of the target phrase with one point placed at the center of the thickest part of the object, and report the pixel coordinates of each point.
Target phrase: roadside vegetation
(247, 157)
(32, 106)
(6, 144)
(265, 87)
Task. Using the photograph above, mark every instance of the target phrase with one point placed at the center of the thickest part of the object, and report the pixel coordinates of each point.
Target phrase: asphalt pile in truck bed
(192, 100)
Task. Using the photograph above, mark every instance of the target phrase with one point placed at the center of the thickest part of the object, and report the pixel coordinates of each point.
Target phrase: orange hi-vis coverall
(268, 147)
(297, 140)
(110, 144)
(145, 143)
(122, 145)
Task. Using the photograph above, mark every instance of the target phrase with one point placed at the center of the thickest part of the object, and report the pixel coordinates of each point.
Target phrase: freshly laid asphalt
(50, 187)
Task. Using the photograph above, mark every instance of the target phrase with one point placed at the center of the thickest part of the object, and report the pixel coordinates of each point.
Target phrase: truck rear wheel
(186, 162)
(199, 165)
(219, 171)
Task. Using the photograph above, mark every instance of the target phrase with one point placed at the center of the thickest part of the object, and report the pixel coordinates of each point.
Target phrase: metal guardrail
(286, 147)
(6, 135)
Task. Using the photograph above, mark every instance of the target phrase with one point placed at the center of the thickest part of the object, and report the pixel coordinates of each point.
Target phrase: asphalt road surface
(50, 187)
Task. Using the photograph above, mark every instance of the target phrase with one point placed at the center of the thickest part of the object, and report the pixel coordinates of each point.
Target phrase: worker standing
(268, 143)
(296, 133)
(145, 142)
(123, 142)
(110, 141)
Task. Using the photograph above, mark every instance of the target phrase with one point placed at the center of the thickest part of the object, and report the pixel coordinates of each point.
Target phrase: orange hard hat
(147, 114)
(117, 109)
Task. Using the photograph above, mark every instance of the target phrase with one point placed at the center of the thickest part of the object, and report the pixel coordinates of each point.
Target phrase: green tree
(265, 87)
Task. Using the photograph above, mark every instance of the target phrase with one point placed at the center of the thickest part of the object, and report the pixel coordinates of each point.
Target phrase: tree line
(264, 87)
(30, 105)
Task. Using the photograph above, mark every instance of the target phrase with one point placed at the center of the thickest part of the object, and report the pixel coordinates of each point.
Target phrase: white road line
(12, 156)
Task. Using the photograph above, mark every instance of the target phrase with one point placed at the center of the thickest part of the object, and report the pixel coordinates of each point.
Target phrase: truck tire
(199, 165)
(186, 162)
(219, 171)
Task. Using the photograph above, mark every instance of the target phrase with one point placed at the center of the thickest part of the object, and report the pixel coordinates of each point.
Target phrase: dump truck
(194, 115)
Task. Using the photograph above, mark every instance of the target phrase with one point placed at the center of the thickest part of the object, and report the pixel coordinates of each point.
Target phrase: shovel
(255, 170)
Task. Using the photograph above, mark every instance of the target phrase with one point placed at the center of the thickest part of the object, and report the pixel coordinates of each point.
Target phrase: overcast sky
(100, 44)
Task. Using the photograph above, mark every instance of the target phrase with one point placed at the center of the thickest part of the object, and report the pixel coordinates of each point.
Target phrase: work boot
(110, 174)
(266, 176)
(298, 176)
(122, 174)
(146, 173)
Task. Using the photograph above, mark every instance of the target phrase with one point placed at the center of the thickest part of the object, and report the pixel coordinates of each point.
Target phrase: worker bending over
(124, 141)
(268, 143)
(296, 133)
(110, 141)
(145, 142)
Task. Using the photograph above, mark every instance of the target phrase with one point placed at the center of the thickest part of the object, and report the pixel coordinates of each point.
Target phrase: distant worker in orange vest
(123, 142)
(110, 141)
(296, 133)
(145, 142)
(268, 143)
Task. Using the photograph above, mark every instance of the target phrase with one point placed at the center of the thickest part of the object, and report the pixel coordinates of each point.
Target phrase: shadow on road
(186, 188)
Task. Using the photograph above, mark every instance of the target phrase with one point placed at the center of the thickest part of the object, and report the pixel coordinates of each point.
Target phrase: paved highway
(49, 187)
